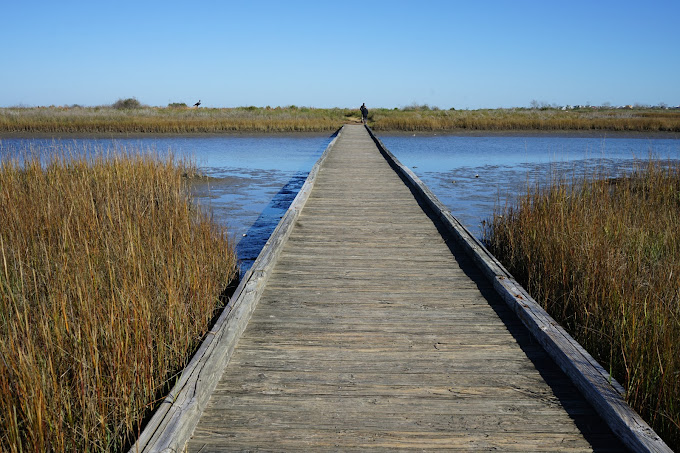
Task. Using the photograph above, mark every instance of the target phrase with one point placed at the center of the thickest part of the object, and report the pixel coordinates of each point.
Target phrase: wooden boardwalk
(375, 332)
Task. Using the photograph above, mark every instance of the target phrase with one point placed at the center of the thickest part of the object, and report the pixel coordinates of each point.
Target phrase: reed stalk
(602, 255)
(184, 120)
(109, 277)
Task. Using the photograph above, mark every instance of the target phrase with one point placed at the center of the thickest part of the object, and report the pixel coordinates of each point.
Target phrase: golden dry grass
(528, 120)
(109, 277)
(603, 257)
(168, 120)
(182, 120)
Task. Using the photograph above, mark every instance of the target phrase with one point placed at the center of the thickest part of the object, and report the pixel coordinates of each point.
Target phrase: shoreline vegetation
(110, 275)
(127, 117)
(602, 256)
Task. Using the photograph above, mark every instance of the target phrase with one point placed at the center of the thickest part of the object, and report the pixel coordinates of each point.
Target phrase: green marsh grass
(109, 278)
(602, 255)
(178, 119)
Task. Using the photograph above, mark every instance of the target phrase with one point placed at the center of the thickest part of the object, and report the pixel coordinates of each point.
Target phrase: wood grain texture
(602, 391)
(174, 421)
(377, 331)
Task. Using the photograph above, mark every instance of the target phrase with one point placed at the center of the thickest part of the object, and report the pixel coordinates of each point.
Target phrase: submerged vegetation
(603, 257)
(109, 277)
(130, 116)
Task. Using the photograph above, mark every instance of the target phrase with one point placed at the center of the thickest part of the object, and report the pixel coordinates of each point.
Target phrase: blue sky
(462, 54)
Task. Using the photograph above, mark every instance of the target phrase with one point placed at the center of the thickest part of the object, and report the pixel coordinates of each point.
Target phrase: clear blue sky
(462, 54)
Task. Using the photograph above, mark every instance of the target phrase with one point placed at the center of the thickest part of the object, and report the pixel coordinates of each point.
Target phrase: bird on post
(197, 104)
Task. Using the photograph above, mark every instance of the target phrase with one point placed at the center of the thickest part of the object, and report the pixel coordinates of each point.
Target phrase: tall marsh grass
(527, 120)
(109, 277)
(168, 120)
(602, 255)
(181, 120)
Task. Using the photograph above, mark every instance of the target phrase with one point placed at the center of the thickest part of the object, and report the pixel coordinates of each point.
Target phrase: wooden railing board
(175, 419)
(605, 394)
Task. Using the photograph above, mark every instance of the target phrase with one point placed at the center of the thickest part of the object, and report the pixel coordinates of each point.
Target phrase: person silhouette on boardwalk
(364, 113)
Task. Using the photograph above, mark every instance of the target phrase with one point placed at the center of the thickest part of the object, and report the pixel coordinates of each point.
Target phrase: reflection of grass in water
(297, 119)
(603, 257)
(109, 277)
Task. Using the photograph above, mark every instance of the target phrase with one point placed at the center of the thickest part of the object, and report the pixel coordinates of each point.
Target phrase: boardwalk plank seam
(175, 419)
(605, 394)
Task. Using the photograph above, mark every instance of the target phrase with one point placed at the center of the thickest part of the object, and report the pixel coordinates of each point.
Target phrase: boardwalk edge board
(603, 392)
(175, 419)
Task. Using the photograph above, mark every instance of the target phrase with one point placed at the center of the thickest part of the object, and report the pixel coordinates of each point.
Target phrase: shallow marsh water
(472, 175)
(253, 179)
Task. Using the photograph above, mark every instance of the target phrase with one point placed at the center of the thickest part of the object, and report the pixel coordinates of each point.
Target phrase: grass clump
(109, 278)
(603, 257)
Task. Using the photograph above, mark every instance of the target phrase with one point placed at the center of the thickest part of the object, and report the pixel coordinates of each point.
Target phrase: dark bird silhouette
(198, 103)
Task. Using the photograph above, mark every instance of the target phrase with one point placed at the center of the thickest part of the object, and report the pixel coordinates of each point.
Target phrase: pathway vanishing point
(376, 330)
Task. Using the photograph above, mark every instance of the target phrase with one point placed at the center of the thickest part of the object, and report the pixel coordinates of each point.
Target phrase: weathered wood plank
(174, 421)
(296, 440)
(374, 333)
(601, 390)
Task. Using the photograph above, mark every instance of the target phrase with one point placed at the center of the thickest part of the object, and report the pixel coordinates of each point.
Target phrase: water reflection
(236, 200)
(473, 175)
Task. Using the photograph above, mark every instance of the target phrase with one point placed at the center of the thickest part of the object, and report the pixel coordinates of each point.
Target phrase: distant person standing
(364, 113)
